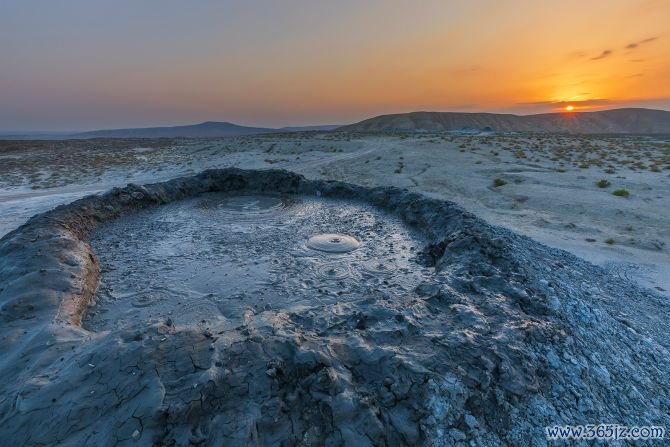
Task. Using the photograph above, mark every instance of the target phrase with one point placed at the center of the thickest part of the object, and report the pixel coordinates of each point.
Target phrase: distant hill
(202, 130)
(639, 121)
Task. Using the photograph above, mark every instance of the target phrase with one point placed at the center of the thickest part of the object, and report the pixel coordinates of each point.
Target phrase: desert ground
(353, 297)
(605, 199)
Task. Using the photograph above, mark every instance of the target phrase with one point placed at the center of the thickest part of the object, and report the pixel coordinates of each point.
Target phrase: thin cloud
(561, 104)
(634, 45)
(602, 55)
(584, 105)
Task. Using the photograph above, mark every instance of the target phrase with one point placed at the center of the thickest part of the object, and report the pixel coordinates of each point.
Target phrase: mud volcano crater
(262, 308)
(223, 258)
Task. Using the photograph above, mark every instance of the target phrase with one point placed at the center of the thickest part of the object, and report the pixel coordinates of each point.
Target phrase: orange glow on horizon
(325, 62)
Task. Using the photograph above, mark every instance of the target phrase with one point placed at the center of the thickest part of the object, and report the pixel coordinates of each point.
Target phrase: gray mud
(499, 338)
(223, 258)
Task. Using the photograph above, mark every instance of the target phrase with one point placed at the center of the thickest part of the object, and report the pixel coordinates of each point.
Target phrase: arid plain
(191, 306)
(604, 198)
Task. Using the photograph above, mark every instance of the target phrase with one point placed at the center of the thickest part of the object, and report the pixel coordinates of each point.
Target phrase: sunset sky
(84, 64)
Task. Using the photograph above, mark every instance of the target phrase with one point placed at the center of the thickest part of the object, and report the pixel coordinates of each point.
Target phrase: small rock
(553, 359)
(456, 434)
(471, 421)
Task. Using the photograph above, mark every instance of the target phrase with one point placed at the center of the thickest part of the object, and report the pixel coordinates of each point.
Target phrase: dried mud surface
(484, 338)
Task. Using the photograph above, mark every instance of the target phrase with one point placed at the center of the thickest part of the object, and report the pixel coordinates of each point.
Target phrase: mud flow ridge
(241, 307)
(222, 257)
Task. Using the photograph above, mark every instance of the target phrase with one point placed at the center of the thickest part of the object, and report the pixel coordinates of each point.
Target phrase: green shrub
(603, 183)
(621, 192)
(499, 182)
(610, 241)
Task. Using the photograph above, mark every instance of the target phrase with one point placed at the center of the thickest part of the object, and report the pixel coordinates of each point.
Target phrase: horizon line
(20, 132)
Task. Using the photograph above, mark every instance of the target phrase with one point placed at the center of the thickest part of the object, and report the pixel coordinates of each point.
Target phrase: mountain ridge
(201, 130)
(206, 129)
(625, 120)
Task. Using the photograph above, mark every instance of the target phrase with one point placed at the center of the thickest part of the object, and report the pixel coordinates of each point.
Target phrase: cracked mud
(194, 312)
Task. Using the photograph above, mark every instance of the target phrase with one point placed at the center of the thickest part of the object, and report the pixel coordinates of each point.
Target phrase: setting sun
(569, 108)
